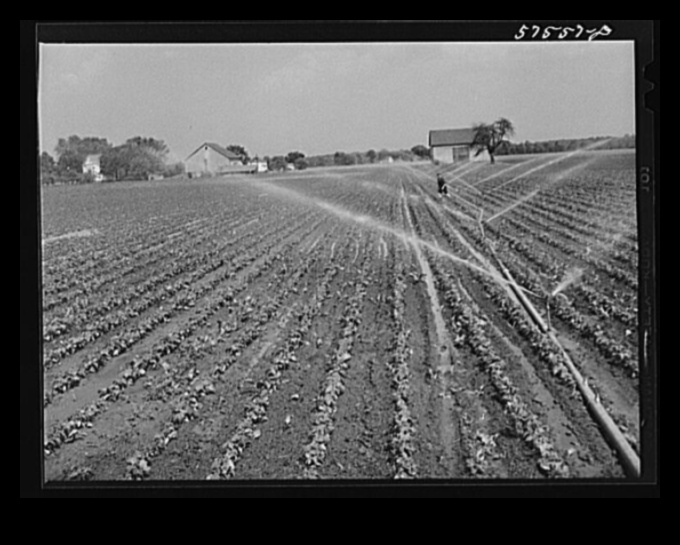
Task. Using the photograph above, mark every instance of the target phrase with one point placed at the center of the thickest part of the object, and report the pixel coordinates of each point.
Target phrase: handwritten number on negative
(559, 32)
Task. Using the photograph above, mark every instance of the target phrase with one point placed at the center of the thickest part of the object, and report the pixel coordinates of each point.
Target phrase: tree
(421, 151)
(383, 154)
(342, 158)
(301, 163)
(148, 144)
(71, 153)
(47, 168)
(70, 161)
(294, 156)
(371, 155)
(278, 162)
(491, 137)
(81, 146)
(135, 159)
(47, 163)
(240, 151)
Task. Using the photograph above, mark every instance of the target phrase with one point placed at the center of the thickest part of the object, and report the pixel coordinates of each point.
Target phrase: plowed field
(342, 323)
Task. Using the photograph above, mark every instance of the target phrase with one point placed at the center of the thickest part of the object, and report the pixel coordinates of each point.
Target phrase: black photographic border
(645, 34)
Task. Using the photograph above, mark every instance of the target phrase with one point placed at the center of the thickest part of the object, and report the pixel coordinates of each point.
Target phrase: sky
(324, 97)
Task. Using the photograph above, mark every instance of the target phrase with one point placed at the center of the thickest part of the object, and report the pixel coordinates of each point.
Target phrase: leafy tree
(278, 162)
(70, 161)
(371, 155)
(71, 153)
(240, 151)
(47, 168)
(82, 146)
(421, 151)
(174, 169)
(135, 159)
(383, 154)
(47, 163)
(342, 158)
(491, 137)
(294, 156)
(301, 163)
(115, 162)
(148, 144)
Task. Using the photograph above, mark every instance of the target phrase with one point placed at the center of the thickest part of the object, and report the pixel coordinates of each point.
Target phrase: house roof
(451, 137)
(92, 158)
(219, 149)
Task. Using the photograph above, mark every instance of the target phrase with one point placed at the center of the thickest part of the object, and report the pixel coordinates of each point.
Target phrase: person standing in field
(441, 185)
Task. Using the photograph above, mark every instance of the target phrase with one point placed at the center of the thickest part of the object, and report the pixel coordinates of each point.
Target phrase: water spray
(514, 205)
(480, 222)
(556, 160)
(573, 275)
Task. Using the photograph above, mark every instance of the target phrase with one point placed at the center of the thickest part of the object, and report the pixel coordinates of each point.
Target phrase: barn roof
(451, 137)
(219, 149)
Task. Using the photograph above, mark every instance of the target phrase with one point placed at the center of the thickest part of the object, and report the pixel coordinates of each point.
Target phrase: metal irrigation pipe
(629, 458)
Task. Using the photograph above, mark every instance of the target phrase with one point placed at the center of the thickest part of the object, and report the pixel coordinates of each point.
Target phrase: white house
(454, 146)
(92, 166)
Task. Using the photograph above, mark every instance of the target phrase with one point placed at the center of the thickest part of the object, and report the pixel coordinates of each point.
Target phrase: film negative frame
(644, 34)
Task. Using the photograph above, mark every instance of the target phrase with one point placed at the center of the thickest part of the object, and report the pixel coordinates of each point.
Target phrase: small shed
(454, 146)
(260, 166)
(211, 159)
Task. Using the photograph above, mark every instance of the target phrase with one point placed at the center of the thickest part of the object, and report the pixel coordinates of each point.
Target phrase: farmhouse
(92, 166)
(211, 159)
(454, 146)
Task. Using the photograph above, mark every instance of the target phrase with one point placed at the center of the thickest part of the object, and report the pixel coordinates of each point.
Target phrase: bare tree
(490, 137)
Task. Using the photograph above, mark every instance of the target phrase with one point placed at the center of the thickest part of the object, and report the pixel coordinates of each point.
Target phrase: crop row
(184, 261)
(546, 223)
(255, 412)
(124, 341)
(578, 249)
(402, 443)
(130, 264)
(514, 314)
(547, 263)
(187, 389)
(470, 329)
(66, 431)
(118, 263)
(546, 230)
(333, 386)
(613, 351)
(89, 255)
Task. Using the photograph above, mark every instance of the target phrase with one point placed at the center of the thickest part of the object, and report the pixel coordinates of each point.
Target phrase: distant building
(92, 166)
(259, 165)
(454, 146)
(211, 159)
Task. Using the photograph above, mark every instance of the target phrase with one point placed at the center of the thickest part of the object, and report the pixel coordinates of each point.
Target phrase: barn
(211, 159)
(454, 146)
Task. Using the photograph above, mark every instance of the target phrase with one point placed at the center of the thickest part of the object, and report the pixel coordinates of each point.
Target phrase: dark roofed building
(453, 145)
(211, 159)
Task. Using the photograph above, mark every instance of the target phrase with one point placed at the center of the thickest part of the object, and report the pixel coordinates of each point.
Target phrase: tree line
(300, 161)
(566, 144)
(136, 159)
